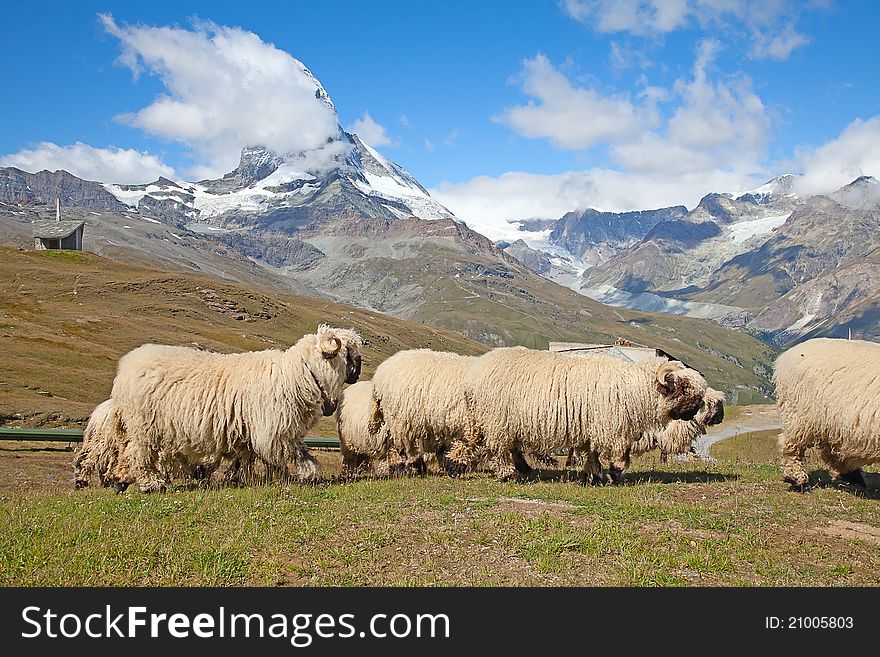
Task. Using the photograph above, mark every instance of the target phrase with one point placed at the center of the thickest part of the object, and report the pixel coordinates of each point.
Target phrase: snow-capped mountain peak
(861, 194)
(343, 175)
(773, 189)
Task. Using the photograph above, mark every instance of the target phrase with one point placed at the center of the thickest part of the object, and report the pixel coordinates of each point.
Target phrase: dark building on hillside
(58, 235)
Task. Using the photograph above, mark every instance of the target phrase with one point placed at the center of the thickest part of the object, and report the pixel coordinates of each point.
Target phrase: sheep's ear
(330, 346)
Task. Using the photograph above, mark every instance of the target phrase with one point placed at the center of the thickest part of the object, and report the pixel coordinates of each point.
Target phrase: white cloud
(717, 125)
(452, 138)
(116, 165)
(371, 132)
(712, 124)
(639, 17)
(225, 88)
(779, 45)
(713, 140)
(487, 204)
(430, 146)
(768, 24)
(855, 152)
(570, 117)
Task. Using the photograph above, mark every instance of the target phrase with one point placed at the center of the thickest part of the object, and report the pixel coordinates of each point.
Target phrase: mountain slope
(66, 317)
(436, 272)
(343, 222)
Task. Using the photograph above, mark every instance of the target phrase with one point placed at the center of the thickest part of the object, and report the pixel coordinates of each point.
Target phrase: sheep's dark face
(329, 407)
(682, 389)
(714, 412)
(352, 365)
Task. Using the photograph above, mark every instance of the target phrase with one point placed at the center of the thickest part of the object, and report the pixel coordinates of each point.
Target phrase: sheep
(828, 394)
(541, 402)
(418, 397)
(183, 407)
(102, 440)
(678, 436)
(361, 449)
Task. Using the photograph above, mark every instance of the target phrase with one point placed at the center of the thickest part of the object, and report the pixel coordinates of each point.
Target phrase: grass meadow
(727, 522)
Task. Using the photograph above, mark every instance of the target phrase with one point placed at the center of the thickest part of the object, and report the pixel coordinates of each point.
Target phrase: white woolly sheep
(180, 406)
(418, 396)
(541, 402)
(828, 392)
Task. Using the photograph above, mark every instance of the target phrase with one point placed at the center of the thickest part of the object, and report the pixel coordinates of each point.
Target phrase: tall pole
(57, 208)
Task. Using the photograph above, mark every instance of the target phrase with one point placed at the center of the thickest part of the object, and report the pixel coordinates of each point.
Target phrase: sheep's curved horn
(332, 351)
(664, 370)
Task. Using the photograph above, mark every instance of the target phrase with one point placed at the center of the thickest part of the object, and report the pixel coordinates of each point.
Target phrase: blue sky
(503, 109)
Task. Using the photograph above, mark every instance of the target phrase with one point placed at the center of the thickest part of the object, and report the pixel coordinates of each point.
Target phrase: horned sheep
(828, 393)
(179, 405)
(541, 402)
(678, 436)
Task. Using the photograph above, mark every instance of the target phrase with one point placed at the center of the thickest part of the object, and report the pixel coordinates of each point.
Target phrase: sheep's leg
(664, 456)
(353, 463)
(519, 462)
(233, 474)
(618, 466)
(505, 466)
(573, 459)
(452, 468)
(80, 477)
(842, 472)
(416, 465)
(591, 470)
(791, 458)
(140, 466)
(415, 461)
(308, 470)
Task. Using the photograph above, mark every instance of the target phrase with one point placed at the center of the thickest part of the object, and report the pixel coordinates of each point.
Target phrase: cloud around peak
(224, 88)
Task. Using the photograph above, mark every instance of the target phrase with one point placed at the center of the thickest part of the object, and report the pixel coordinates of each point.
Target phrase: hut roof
(56, 230)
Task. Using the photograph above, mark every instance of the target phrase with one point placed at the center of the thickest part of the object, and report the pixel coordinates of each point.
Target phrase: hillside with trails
(66, 317)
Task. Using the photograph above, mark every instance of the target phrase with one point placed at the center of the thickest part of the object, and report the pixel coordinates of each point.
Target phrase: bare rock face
(844, 300)
(581, 231)
(20, 187)
(532, 258)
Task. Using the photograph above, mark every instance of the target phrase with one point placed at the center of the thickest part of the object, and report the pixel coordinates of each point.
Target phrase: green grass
(754, 446)
(727, 523)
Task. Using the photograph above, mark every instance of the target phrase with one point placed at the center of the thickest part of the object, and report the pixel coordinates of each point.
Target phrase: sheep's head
(681, 390)
(713, 411)
(340, 356)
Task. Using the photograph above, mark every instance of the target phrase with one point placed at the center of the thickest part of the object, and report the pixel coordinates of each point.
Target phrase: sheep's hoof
(585, 479)
(79, 484)
(855, 478)
(850, 484)
(119, 488)
(149, 487)
(798, 488)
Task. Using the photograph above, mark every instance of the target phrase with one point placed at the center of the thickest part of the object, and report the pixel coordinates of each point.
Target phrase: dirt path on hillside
(749, 418)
